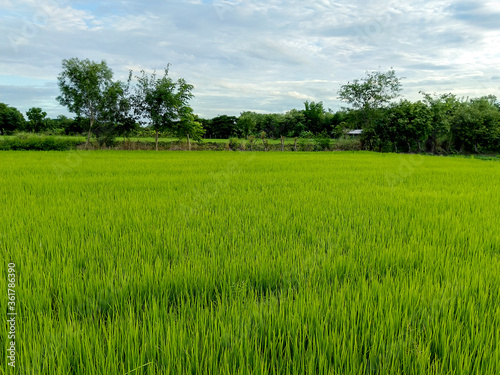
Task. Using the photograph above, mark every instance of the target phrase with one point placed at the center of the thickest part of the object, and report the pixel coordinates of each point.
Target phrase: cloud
(259, 55)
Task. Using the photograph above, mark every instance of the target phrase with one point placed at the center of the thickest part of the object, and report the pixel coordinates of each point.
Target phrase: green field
(240, 263)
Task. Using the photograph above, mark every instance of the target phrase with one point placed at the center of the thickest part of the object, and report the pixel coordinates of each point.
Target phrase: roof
(356, 132)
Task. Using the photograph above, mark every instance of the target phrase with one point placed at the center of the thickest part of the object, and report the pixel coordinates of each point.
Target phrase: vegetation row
(148, 105)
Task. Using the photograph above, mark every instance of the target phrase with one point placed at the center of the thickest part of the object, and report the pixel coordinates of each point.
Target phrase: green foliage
(294, 121)
(476, 125)
(251, 142)
(11, 119)
(234, 143)
(188, 125)
(246, 123)
(314, 115)
(34, 142)
(305, 144)
(86, 88)
(265, 141)
(162, 103)
(442, 109)
(347, 144)
(37, 120)
(369, 94)
(222, 127)
(322, 143)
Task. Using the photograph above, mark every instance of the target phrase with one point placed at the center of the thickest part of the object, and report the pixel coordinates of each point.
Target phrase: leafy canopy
(373, 91)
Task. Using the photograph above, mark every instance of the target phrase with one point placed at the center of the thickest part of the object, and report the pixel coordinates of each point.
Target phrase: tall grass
(252, 263)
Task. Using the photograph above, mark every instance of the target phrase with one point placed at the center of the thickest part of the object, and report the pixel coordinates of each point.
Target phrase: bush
(303, 144)
(322, 144)
(27, 141)
(234, 143)
(348, 144)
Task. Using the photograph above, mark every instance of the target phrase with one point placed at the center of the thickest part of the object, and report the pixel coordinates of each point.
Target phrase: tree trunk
(189, 143)
(434, 141)
(295, 144)
(88, 135)
(156, 140)
(282, 144)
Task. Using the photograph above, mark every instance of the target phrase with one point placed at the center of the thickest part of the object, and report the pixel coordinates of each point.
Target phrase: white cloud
(241, 55)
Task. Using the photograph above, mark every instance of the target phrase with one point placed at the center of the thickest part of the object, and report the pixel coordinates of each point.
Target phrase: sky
(267, 56)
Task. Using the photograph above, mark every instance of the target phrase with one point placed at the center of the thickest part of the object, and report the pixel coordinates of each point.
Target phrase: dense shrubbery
(439, 124)
(26, 141)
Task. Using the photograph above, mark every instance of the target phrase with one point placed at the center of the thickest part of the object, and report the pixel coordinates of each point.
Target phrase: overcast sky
(262, 55)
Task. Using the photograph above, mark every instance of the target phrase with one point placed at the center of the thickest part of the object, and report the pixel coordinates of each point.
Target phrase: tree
(222, 127)
(442, 108)
(62, 124)
(246, 123)
(188, 125)
(294, 122)
(409, 124)
(161, 101)
(37, 120)
(11, 119)
(314, 114)
(369, 94)
(116, 116)
(83, 84)
(475, 124)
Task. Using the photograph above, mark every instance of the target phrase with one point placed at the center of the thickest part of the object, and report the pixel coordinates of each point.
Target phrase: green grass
(239, 263)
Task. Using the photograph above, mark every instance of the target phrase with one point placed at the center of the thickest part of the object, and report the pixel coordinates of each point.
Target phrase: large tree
(371, 93)
(83, 85)
(161, 101)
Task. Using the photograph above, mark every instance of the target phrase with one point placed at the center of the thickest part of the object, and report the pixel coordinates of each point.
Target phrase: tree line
(156, 105)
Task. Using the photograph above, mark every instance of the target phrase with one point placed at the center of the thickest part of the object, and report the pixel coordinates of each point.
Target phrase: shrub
(234, 143)
(348, 144)
(322, 144)
(34, 142)
(303, 144)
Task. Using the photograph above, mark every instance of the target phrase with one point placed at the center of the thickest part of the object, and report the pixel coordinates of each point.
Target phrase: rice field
(251, 263)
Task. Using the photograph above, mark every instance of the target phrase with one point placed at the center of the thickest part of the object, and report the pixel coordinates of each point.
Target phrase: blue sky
(264, 56)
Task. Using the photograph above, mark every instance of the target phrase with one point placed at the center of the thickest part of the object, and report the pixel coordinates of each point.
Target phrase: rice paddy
(251, 263)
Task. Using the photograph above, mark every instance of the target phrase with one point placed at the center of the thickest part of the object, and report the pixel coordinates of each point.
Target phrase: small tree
(83, 84)
(188, 126)
(37, 120)
(265, 142)
(161, 102)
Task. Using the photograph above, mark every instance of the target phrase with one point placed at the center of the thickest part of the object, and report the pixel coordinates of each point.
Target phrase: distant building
(355, 132)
